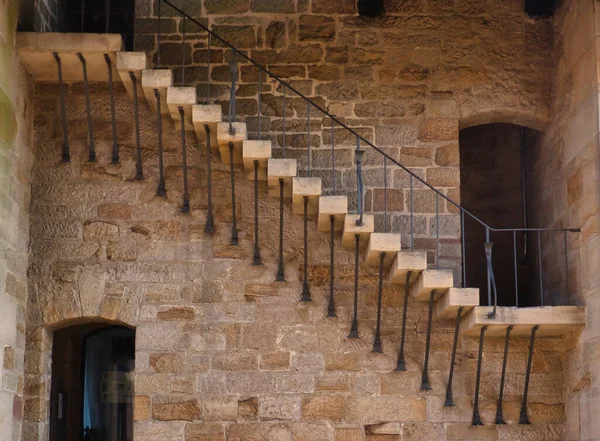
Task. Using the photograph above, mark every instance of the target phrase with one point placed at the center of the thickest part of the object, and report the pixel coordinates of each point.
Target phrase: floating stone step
(388, 243)
(160, 80)
(136, 63)
(184, 98)
(351, 229)
(429, 280)
(254, 150)
(449, 303)
(306, 187)
(224, 137)
(281, 168)
(405, 261)
(207, 115)
(336, 206)
(553, 321)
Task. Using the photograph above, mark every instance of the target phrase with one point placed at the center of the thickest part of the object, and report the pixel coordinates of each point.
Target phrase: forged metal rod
(401, 364)
(359, 182)
(331, 307)
(161, 190)
(284, 112)
(66, 154)
(516, 268)
(449, 399)
(437, 231)
(280, 271)
(234, 232)
(182, 52)
(258, 102)
(476, 417)
(425, 376)
(385, 196)
(208, 69)
(332, 157)
(499, 416)
(158, 36)
(567, 270)
(257, 261)
(186, 196)
(308, 123)
(412, 216)
(539, 236)
(523, 417)
(113, 119)
(490, 270)
(463, 249)
(210, 222)
(305, 289)
(139, 175)
(488, 275)
(377, 342)
(88, 110)
(354, 327)
(234, 75)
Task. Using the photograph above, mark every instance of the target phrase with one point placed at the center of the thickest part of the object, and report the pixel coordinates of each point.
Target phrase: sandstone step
(306, 187)
(132, 62)
(184, 98)
(281, 168)
(405, 261)
(336, 206)
(240, 133)
(363, 231)
(207, 115)
(160, 80)
(36, 50)
(553, 321)
(448, 304)
(387, 243)
(429, 280)
(256, 150)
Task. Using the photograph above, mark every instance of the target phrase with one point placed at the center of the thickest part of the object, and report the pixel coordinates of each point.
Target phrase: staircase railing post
(359, 182)
(401, 364)
(377, 342)
(499, 415)
(490, 270)
(425, 375)
(476, 421)
(354, 327)
(113, 119)
(449, 398)
(88, 109)
(161, 190)
(523, 417)
(210, 222)
(185, 208)
(66, 154)
(280, 268)
(139, 175)
(234, 76)
(331, 305)
(234, 232)
(257, 260)
(306, 297)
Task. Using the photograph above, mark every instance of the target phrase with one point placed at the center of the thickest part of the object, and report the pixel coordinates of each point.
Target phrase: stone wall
(16, 114)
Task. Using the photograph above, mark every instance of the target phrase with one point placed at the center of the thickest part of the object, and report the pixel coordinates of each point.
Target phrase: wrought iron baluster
(425, 375)
(359, 182)
(139, 174)
(377, 342)
(257, 261)
(401, 364)
(66, 153)
(476, 421)
(516, 269)
(449, 399)
(208, 100)
(280, 269)
(113, 119)
(186, 197)
(88, 109)
(234, 76)
(158, 35)
(437, 230)
(210, 222)
(309, 147)
(490, 269)
(412, 215)
(523, 417)
(234, 232)
(284, 112)
(332, 156)
(567, 297)
(499, 415)
(463, 249)
(354, 327)
(331, 306)
(258, 101)
(385, 196)
(183, 53)
(161, 190)
(305, 289)
(488, 274)
(539, 237)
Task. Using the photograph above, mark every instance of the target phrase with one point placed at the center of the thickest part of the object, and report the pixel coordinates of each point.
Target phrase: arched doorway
(92, 385)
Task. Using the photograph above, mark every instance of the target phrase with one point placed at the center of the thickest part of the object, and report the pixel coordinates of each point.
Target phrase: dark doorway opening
(92, 388)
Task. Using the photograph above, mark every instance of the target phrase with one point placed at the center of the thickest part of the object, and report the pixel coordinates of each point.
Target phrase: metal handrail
(367, 142)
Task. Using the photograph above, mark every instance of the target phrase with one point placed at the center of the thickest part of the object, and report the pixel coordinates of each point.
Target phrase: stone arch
(476, 112)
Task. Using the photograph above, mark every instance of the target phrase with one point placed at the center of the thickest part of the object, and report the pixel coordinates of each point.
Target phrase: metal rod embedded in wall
(401, 364)
(449, 399)
(541, 270)
(425, 375)
(385, 196)
(139, 175)
(186, 197)
(182, 52)
(437, 230)
(354, 326)
(113, 119)
(284, 112)
(476, 421)
(280, 269)
(234, 75)
(257, 261)
(88, 110)
(332, 156)
(331, 306)
(259, 73)
(377, 342)
(308, 136)
(523, 417)
(499, 415)
(359, 182)
(305, 289)
(234, 232)
(209, 44)
(161, 190)
(210, 222)
(66, 154)
(412, 215)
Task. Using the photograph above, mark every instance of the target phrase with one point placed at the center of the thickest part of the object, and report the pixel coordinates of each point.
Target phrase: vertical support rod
(88, 109)
(539, 237)
(284, 112)
(425, 375)
(332, 156)
(359, 182)
(437, 230)
(476, 416)
(516, 269)
(489, 246)
(210, 222)
(412, 215)
(158, 35)
(308, 124)
(305, 289)
(186, 196)
(489, 276)
(280, 269)
(567, 270)
(499, 415)
(66, 154)
(257, 261)
(234, 75)
(182, 52)
(377, 342)
(113, 119)
(523, 417)
(354, 327)
(463, 248)
(161, 190)
(449, 399)
(258, 101)
(234, 232)
(401, 364)
(385, 196)
(331, 306)
(208, 68)
(139, 174)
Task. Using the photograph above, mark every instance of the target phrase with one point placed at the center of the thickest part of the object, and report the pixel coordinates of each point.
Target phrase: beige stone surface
(159, 80)
(430, 280)
(253, 150)
(336, 206)
(132, 63)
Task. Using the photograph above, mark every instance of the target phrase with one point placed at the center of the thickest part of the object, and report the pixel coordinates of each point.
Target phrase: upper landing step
(37, 53)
